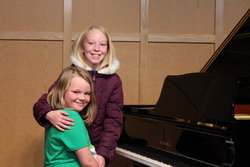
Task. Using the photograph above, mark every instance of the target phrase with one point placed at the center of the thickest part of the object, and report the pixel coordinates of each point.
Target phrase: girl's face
(77, 96)
(95, 47)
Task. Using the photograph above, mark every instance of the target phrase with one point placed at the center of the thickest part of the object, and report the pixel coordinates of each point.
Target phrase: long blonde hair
(56, 95)
(78, 46)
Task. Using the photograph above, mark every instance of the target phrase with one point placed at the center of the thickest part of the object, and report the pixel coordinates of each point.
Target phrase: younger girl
(73, 94)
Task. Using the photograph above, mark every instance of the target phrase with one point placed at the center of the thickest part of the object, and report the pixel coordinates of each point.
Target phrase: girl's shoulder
(74, 115)
(68, 110)
(111, 77)
(71, 113)
(109, 80)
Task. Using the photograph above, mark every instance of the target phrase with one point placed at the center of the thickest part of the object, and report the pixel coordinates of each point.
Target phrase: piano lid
(209, 96)
(233, 55)
(198, 97)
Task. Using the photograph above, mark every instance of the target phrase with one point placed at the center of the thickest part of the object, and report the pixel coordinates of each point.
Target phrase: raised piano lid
(198, 98)
(209, 96)
(233, 56)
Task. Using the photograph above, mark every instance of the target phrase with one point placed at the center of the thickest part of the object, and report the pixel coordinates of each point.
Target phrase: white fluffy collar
(111, 69)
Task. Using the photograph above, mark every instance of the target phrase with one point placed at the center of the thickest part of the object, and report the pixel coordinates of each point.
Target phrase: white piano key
(141, 159)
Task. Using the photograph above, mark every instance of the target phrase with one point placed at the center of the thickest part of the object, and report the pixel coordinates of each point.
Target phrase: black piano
(200, 119)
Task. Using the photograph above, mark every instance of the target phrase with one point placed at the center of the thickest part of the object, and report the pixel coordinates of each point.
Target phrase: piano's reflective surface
(200, 119)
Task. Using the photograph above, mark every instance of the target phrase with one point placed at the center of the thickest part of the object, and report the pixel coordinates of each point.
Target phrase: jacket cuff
(104, 152)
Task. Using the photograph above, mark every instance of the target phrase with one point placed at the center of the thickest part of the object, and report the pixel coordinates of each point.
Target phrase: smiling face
(78, 95)
(95, 48)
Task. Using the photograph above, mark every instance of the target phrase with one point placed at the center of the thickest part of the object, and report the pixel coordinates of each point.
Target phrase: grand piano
(200, 119)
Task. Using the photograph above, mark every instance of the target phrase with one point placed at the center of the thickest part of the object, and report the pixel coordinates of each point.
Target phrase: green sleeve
(77, 137)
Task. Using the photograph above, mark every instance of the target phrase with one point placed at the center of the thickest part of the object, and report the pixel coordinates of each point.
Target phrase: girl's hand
(100, 160)
(58, 119)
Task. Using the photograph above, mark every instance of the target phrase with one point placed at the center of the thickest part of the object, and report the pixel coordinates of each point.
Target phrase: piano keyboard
(139, 158)
(152, 157)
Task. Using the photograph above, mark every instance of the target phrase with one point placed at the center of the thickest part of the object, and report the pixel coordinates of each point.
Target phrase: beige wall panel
(118, 16)
(27, 69)
(233, 13)
(181, 17)
(128, 54)
(172, 59)
(31, 15)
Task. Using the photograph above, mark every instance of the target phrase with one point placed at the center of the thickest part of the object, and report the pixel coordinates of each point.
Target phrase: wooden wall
(153, 38)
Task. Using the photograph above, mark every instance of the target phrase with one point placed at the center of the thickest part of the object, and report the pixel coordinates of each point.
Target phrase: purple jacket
(106, 127)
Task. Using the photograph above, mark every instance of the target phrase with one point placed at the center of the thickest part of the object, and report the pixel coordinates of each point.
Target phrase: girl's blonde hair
(56, 95)
(77, 49)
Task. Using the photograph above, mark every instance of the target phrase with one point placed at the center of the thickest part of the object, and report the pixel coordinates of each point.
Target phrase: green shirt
(60, 146)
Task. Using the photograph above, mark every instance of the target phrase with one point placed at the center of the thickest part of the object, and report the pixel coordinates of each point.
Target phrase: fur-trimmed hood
(110, 69)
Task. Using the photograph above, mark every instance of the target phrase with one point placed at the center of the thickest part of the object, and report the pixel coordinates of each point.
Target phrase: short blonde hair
(56, 95)
(78, 46)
